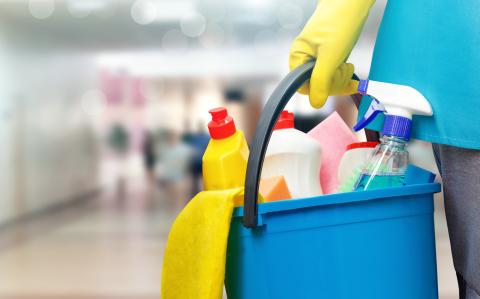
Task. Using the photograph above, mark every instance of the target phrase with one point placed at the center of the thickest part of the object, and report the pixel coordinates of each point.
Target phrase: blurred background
(103, 113)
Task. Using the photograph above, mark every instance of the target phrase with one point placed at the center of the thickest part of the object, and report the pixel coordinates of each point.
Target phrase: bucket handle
(276, 103)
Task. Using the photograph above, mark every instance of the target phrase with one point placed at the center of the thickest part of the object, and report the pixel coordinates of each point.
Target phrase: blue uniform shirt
(434, 46)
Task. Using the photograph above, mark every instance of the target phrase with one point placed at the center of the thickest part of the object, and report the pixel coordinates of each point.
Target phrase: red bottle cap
(222, 125)
(369, 144)
(285, 121)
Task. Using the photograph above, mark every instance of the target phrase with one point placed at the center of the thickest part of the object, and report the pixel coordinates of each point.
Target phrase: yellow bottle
(226, 156)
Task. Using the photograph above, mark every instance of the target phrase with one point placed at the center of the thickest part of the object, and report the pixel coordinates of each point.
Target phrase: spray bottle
(389, 161)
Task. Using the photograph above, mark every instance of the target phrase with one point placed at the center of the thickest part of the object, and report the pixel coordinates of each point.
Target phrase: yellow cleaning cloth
(195, 256)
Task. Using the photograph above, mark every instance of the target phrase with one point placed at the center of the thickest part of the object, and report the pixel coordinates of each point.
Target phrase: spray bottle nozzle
(398, 102)
(373, 110)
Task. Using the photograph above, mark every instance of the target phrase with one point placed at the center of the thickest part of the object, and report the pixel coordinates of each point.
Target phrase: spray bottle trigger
(373, 110)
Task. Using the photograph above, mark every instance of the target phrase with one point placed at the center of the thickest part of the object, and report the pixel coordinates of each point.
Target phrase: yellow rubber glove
(329, 37)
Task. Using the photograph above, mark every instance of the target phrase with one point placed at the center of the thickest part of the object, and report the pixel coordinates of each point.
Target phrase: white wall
(47, 145)
(6, 142)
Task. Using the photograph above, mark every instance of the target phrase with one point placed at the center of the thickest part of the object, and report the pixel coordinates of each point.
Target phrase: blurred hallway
(104, 247)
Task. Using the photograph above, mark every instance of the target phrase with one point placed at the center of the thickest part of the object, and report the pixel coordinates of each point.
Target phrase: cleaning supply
(195, 255)
(294, 155)
(274, 188)
(329, 36)
(334, 136)
(226, 156)
(389, 162)
(413, 175)
(352, 163)
(372, 244)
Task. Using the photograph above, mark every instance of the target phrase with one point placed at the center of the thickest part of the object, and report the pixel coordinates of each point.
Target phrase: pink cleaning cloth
(334, 136)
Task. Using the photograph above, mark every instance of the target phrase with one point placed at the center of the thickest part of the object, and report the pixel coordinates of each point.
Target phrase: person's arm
(329, 37)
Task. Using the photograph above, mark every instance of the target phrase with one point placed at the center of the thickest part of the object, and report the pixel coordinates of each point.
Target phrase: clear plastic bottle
(387, 165)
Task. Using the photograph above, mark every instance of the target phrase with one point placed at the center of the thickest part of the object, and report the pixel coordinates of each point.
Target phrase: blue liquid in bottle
(367, 182)
(386, 167)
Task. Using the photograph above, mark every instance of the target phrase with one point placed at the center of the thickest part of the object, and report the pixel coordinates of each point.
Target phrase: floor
(111, 247)
(106, 247)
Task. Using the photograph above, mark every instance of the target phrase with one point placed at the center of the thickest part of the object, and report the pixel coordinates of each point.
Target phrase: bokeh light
(77, 12)
(193, 24)
(143, 12)
(41, 9)
(213, 37)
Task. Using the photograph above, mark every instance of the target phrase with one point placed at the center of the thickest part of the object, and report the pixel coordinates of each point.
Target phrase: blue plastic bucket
(370, 244)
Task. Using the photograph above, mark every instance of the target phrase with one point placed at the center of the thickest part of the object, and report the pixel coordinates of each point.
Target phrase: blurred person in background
(414, 39)
(118, 141)
(198, 142)
(173, 168)
(149, 157)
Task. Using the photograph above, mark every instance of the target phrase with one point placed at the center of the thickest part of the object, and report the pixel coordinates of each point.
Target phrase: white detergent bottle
(294, 155)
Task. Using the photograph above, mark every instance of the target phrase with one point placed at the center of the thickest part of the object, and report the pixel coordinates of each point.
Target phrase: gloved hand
(329, 37)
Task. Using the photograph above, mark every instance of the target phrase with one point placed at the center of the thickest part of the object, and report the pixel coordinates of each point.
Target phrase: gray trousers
(460, 171)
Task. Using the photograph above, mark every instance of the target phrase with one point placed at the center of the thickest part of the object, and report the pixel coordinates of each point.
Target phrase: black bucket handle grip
(275, 104)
